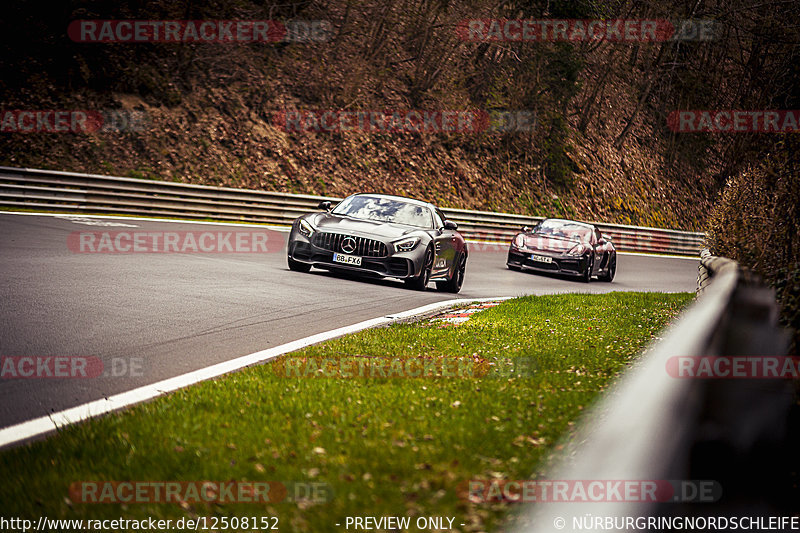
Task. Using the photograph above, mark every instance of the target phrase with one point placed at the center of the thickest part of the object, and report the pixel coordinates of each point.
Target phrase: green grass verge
(385, 446)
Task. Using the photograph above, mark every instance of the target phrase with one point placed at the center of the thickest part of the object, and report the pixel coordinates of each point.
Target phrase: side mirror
(325, 205)
(526, 229)
(601, 241)
(449, 224)
(606, 237)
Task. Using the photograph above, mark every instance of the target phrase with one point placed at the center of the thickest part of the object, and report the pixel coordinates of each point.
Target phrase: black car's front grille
(362, 246)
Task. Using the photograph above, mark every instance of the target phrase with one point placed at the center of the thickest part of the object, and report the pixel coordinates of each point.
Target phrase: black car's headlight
(578, 249)
(519, 241)
(406, 245)
(305, 228)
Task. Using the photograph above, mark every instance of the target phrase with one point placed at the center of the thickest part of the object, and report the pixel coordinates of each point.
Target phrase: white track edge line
(46, 424)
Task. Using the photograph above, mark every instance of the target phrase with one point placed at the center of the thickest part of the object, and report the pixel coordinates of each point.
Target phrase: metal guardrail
(653, 426)
(93, 193)
(711, 266)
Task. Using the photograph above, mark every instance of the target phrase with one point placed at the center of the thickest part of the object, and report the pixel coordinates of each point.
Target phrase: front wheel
(612, 270)
(420, 282)
(587, 276)
(297, 266)
(454, 283)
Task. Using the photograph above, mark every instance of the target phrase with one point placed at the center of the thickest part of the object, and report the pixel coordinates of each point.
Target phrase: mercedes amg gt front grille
(337, 242)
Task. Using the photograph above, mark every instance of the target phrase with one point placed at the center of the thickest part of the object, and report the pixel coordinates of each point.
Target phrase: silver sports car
(384, 236)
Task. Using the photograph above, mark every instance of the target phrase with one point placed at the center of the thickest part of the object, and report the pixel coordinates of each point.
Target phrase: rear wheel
(455, 282)
(420, 282)
(611, 272)
(297, 266)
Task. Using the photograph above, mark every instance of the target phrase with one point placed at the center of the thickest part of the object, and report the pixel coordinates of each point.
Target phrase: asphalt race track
(177, 312)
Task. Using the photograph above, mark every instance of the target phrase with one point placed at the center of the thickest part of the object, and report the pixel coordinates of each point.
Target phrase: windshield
(565, 230)
(385, 210)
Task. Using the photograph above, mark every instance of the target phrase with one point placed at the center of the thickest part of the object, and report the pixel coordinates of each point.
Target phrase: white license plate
(347, 259)
(541, 258)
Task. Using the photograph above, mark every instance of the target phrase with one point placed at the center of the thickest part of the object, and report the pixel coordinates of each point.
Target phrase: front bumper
(562, 264)
(398, 266)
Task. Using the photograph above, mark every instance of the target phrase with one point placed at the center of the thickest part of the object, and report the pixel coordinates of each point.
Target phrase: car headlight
(578, 249)
(406, 245)
(305, 228)
(519, 241)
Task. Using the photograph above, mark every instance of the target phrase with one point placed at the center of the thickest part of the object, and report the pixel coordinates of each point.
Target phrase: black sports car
(381, 235)
(566, 247)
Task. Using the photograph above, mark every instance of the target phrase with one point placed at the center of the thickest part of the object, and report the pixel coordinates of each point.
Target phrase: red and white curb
(48, 424)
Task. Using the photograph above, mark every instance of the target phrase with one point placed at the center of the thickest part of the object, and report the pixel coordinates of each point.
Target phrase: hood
(546, 242)
(338, 224)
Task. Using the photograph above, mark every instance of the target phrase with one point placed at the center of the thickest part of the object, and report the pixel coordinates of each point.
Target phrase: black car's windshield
(385, 210)
(565, 230)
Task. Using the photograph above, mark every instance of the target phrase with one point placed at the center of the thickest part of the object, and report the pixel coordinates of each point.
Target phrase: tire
(454, 283)
(587, 276)
(420, 282)
(612, 270)
(297, 266)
